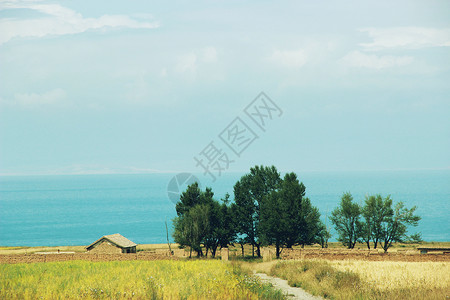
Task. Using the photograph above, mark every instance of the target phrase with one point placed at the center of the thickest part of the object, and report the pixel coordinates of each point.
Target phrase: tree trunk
(258, 249)
(242, 248)
(277, 245)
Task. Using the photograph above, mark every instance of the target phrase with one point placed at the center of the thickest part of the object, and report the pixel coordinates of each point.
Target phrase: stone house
(113, 243)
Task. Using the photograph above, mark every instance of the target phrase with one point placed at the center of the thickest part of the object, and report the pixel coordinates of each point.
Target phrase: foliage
(287, 218)
(384, 224)
(203, 221)
(221, 226)
(375, 211)
(394, 226)
(197, 279)
(323, 235)
(346, 219)
(191, 197)
(415, 238)
(192, 227)
(249, 193)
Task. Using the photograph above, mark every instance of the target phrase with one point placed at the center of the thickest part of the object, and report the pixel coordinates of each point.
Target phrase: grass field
(367, 279)
(350, 277)
(196, 279)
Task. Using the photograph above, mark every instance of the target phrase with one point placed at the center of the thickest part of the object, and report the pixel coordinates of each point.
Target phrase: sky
(91, 87)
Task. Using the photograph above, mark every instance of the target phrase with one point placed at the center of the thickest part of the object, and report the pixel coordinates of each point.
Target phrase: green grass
(193, 279)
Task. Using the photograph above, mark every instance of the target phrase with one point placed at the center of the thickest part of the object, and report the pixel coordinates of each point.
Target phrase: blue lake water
(78, 209)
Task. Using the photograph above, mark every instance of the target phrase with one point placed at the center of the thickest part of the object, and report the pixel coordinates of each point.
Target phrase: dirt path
(291, 292)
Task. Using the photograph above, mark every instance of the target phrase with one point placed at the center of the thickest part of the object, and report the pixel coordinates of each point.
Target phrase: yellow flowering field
(196, 279)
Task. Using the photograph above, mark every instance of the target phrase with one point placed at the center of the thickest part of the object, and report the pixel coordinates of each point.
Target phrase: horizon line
(102, 172)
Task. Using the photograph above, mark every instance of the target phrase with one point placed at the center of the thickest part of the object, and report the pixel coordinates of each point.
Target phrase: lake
(78, 209)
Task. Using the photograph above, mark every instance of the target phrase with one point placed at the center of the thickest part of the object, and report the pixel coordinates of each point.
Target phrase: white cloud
(187, 63)
(163, 73)
(406, 38)
(138, 91)
(209, 55)
(362, 60)
(294, 59)
(56, 97)
(190, 62)
(59, 20)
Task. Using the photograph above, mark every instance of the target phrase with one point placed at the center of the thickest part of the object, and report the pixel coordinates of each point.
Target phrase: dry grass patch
(368, 279)
(413, 278)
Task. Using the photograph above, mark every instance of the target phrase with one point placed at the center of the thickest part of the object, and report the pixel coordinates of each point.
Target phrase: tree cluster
(267, 210)
(270, 210)
(378, 221)
(202, 221)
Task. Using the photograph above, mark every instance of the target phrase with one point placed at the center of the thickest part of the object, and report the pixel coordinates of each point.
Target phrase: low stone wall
(356, 254)
(34, 258)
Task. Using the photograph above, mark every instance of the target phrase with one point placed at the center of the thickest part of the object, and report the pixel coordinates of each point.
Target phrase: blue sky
(132, 87)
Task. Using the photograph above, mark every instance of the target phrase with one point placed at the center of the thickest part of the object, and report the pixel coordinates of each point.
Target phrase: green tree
(201, 220)
(193, 196)
(287, 218)
(291, 194)
(324, 235)
(309, 221)
(275, 221)
(192, 227)
(192, 224)
(249, 193)
(394, 226)
(368, 212)
(375, 211)
(346, 221)
(221, 230)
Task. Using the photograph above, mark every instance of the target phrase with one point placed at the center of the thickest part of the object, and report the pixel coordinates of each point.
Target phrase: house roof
(117, 239)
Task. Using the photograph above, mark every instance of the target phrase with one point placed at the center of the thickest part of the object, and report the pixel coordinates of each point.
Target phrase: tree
(192, 227)
(287, 218)
(249, 193)
(291, 194)
(309, 221)
(375, 211)
(201, 220)
(222, 230)
(193, 196)
(415, 238)
(368, 212)
(346, 221)
(275, 221)
(394, 226)
(324, 235)
(245, 213)
(192, 224)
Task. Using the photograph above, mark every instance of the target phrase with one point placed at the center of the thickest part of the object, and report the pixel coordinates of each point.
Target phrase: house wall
(105, 247)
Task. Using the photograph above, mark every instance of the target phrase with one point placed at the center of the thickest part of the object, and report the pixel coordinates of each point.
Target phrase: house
(113, 243)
